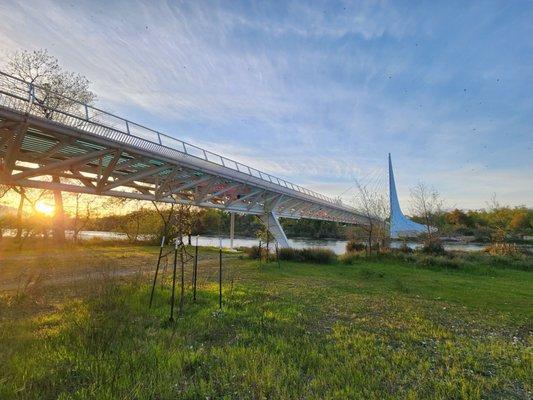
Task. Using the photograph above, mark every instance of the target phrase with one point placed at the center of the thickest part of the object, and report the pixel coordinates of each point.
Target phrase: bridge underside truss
(38, 153)
(49, 141)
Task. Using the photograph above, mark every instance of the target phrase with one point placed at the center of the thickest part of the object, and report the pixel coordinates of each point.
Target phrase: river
(338, 246)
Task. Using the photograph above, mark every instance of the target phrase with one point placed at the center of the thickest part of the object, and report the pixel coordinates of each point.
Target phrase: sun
(44, 208)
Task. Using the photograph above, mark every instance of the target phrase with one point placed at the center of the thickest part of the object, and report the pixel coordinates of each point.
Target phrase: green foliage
(433, 246)
(404, 248)
(483, 223)
(312, 228)
(311, 255)
(478, 263)
(503, 249)
(254, 252)
(354, 246)
(352, 258)
(474, 262)
(458, 218)
(213, 222)
(521, 221)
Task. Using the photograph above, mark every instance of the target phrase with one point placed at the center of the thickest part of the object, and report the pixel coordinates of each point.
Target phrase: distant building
(400, 225)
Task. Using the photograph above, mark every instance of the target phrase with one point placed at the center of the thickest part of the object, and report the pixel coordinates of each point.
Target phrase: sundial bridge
(62, 144)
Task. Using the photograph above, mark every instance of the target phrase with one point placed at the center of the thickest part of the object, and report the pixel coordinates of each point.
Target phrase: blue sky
(315, 92)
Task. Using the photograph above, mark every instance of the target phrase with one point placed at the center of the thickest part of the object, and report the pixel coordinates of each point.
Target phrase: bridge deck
(79, 148)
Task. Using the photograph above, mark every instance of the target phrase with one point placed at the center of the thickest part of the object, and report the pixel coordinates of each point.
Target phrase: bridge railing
(41, 101)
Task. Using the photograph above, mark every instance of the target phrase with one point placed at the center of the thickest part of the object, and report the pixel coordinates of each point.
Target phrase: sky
(315, 92)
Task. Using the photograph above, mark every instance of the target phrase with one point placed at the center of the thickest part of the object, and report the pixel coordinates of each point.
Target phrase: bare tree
(31, 197)
(131, 225)
(82, 214)
(184, 221)
(22, 197)
(167, 214)
(55, 91)
(3, 191)
(427, 205)
(373, 205)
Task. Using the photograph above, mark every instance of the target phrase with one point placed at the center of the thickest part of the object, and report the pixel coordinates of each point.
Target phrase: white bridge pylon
(73, 147)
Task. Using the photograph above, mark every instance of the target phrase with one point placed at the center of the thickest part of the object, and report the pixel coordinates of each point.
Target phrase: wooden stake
(220, 275)
(182, 291)
(157, 270)
(195, 271)
(174, 281)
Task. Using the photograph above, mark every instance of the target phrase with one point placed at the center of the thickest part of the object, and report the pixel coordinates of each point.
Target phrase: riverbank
(338, 246)
(372, 329)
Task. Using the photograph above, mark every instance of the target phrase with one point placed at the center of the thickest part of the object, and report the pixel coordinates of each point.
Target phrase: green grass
(376, 329)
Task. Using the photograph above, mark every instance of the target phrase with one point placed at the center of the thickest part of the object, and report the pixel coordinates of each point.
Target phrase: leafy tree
(458, 218)
(520, 222)
(55, 89)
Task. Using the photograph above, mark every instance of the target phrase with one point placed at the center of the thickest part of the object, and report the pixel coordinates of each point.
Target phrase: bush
(433, 247)
(352, 246)
(253, 252)
(312, 255)
(405, 249)
(503, 249)
(352, 258)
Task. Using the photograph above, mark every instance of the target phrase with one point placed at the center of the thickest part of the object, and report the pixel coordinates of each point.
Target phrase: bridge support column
(231, 229)
(271, 221)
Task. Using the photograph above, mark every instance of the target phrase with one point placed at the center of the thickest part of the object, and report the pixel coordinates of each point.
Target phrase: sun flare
(44, 208)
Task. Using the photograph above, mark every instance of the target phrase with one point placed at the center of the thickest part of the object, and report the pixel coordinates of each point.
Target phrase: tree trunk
(59, 214)
(19, 215)
(370, 243)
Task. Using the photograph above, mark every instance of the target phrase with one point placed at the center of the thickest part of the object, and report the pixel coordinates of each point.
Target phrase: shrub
(405, 249)
(288, 254)
(433, 247)
(408, 257)
(503, 249)
(474, 262)
(252, 252)
(352, 258)
(352, 246)
(312, 255)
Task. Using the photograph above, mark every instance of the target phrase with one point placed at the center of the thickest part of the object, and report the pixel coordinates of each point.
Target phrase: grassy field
(75, 324)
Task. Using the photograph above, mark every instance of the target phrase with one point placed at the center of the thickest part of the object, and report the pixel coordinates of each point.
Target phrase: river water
(338, 246)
